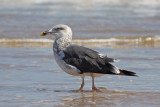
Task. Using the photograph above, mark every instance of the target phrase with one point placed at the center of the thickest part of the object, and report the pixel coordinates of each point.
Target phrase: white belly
(66, 67)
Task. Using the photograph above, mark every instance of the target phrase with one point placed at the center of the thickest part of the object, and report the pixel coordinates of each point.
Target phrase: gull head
(59, 31)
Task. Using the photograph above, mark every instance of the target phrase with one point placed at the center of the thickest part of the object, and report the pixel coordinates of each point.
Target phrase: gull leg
(94, 88)
(82, 85)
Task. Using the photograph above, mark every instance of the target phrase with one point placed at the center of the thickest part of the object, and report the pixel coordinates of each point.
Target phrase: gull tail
(127, 73)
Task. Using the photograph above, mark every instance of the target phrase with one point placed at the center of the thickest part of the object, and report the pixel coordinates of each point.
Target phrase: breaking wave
(119, 42)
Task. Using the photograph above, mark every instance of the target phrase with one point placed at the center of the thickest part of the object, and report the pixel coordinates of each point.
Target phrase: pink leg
(82, 85)
(94, 88)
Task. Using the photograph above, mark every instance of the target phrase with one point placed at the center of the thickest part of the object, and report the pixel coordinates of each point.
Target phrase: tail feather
(127, 73)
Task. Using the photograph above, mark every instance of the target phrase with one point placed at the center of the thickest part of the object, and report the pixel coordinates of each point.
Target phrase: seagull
(81, 61)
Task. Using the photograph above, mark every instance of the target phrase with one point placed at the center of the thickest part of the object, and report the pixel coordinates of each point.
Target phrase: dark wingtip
(127, 73)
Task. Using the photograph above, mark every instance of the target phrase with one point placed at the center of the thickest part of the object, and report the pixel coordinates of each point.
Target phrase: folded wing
(88, 60)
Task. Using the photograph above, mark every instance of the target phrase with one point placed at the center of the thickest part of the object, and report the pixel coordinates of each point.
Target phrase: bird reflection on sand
(109, 98)
(92, 98)
(89, 97)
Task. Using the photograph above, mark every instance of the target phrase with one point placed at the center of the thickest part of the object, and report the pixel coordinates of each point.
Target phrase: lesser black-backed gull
(78, 60)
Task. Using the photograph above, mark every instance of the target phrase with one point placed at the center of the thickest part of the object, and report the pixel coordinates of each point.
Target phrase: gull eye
(59, 28)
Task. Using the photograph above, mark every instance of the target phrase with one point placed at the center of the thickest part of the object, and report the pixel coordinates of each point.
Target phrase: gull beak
(44, 33)
(51, 31)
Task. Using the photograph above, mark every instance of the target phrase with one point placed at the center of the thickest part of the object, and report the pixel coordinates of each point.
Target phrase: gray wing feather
(87, 60)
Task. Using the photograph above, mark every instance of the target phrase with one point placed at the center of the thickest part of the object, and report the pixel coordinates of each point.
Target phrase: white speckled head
(63, 34)
(61, 31)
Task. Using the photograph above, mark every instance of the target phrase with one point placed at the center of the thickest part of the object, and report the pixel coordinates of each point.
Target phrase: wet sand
(30, 77)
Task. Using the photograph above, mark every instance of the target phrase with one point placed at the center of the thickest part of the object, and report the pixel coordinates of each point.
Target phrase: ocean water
(128, 31)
